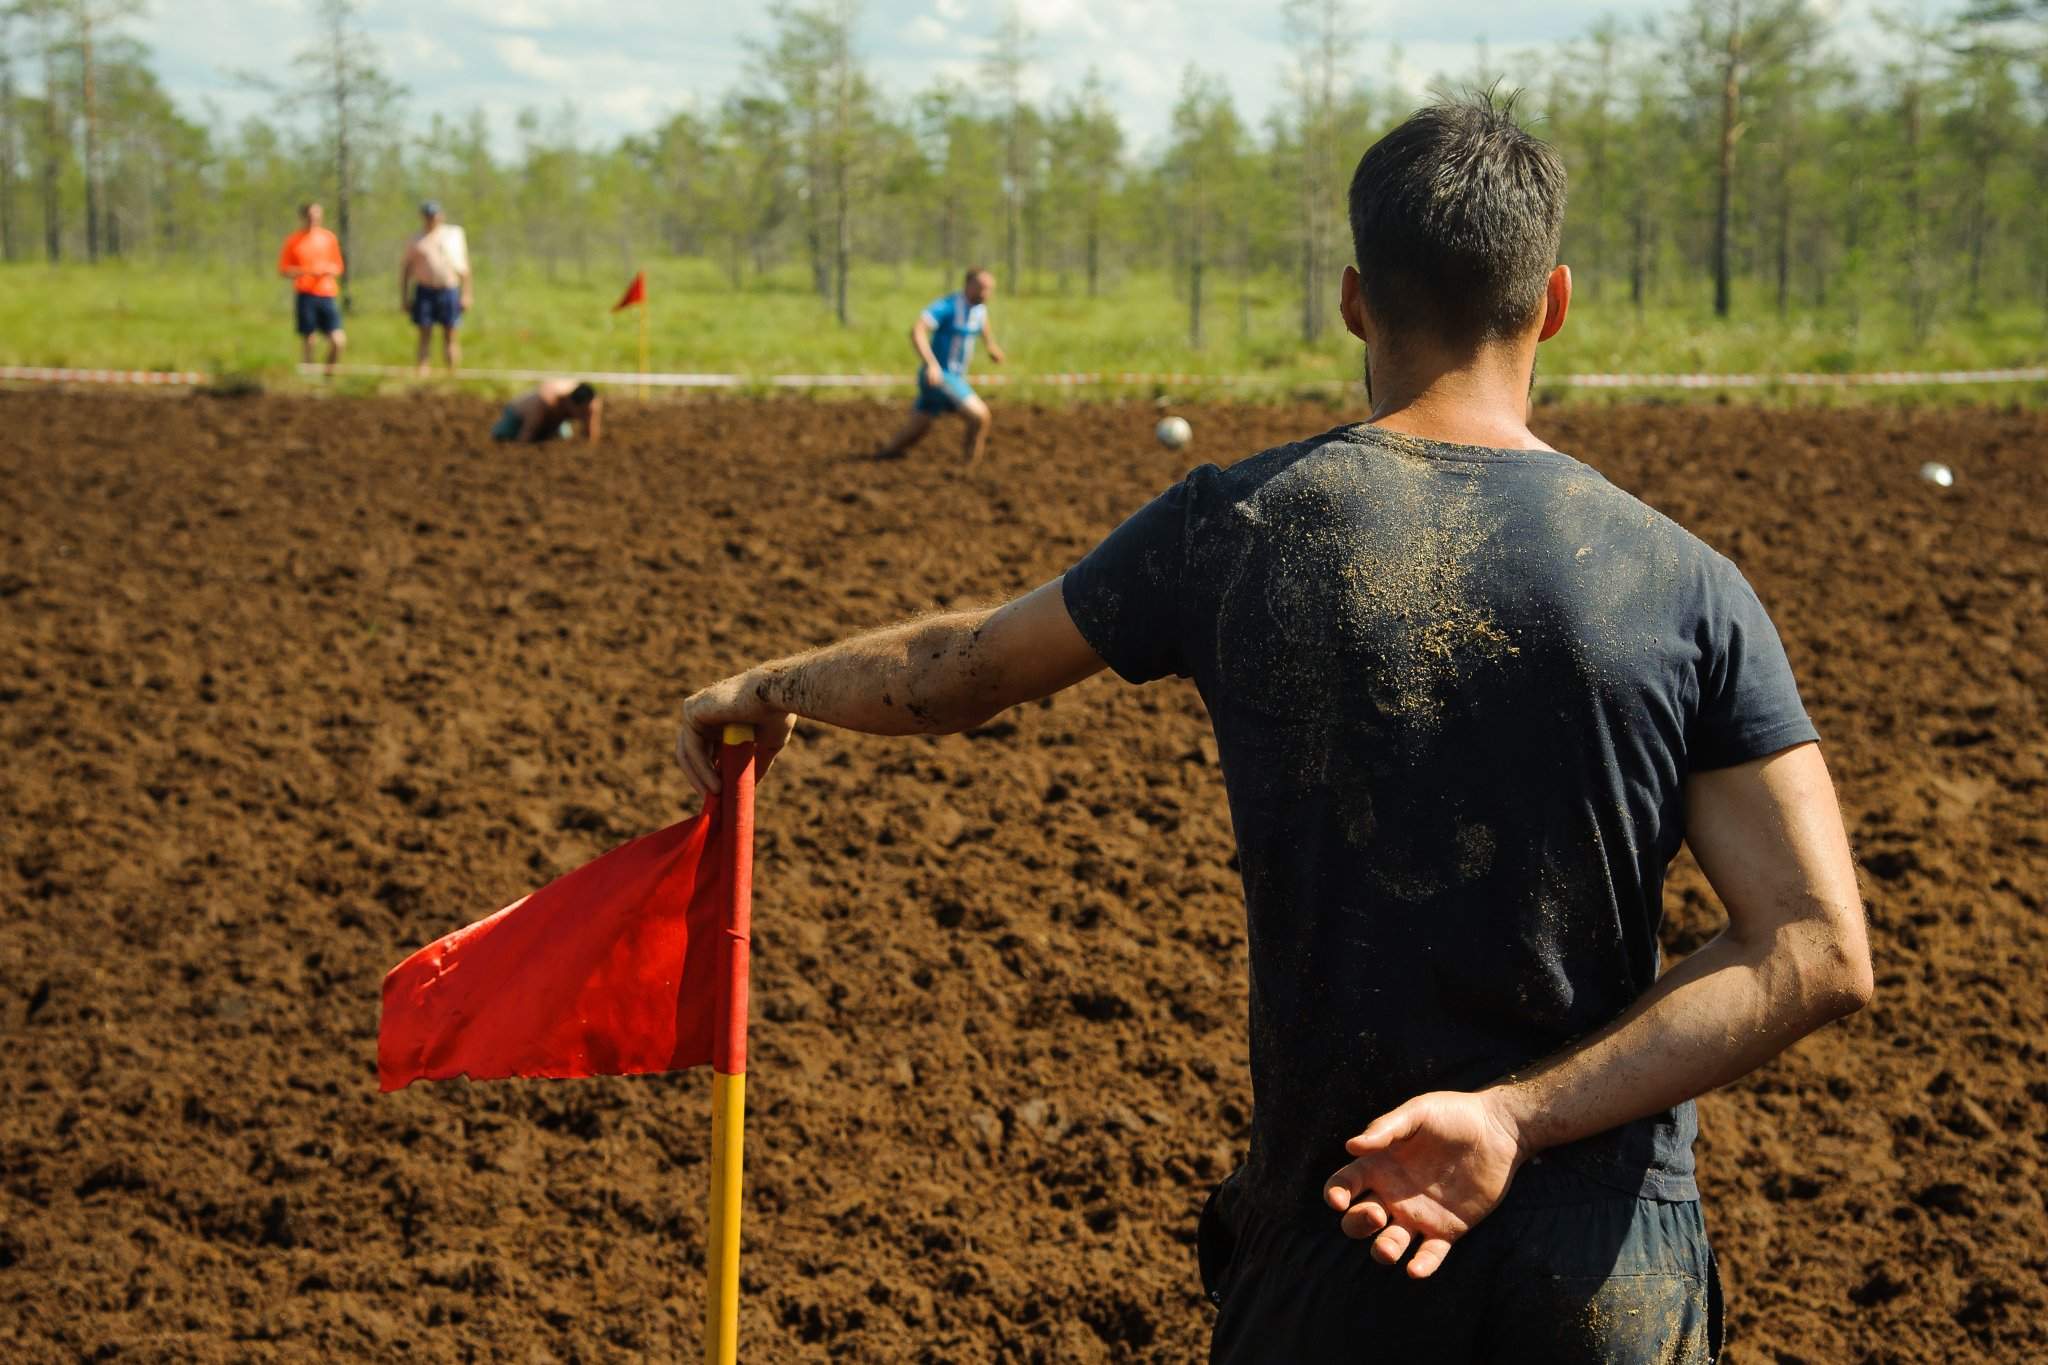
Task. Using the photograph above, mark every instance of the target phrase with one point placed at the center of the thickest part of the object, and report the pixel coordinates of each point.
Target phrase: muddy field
(289, 687)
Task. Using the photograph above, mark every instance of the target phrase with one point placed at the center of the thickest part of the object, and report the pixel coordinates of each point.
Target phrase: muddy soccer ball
(1174, 432)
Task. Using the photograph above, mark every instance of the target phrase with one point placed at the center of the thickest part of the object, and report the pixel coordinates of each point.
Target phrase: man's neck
(1479, 401)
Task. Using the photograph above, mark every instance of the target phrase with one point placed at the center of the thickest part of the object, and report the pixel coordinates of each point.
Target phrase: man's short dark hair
(582, 394)
(1455, 218)
(974, 270)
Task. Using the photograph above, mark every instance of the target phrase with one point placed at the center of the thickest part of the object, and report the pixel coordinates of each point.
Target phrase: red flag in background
(636, 292)
(617, 968)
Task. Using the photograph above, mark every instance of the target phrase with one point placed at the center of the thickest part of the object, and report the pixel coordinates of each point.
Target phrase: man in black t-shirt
(1469, 700)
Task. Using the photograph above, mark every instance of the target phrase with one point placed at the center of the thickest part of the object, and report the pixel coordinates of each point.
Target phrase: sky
(626, 64)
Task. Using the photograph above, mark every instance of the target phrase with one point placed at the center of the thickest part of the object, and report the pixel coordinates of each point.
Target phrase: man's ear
(1352, 304)
(1557, 301)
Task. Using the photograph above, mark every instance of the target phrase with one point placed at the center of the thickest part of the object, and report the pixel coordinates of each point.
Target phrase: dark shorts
(951, 395)
(436, 307)
(510, 423)
(318, 313)
(1563, 1275)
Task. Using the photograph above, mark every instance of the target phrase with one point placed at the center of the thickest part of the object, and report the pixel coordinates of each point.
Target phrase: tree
(91, 19)
(755, 198)
(1733, 37)
(1597, 63)
(1324, 37)
(813, 63)
(1004, 70)
(1912, 80)
(965, 151)
(1202, 169)
(2010, 28)
(48, 16)
(1086, 145)
(1983, 128)
(10, 137)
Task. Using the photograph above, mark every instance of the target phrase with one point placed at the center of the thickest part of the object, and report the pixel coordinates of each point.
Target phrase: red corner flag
(633, 963)
(636, 292)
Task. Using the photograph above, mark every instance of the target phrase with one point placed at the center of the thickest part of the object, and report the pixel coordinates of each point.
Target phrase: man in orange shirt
(311, 260)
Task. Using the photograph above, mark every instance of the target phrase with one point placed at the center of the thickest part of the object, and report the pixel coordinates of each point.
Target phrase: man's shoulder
(1274, 466)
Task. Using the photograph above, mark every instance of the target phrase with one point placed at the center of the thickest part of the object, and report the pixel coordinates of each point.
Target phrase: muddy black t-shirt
(1456, 694)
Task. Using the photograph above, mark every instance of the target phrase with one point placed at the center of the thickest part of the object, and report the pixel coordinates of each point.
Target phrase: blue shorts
(951, 395)
(318, 313)
(432, 307)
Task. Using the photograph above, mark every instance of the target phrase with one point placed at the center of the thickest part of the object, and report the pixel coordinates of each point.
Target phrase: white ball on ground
(1940, 475)
(1174, 432)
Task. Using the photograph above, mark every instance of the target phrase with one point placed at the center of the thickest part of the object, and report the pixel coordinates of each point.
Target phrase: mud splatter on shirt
(1456, 692)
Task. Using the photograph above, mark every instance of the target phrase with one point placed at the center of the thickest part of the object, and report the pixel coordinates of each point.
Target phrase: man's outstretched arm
(938, 675)
(1794, 956)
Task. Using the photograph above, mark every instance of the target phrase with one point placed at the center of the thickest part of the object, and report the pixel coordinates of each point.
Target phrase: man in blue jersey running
(943, 337)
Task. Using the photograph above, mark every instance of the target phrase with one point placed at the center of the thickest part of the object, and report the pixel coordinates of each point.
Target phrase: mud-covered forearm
(929, 676)
(1717, 1016)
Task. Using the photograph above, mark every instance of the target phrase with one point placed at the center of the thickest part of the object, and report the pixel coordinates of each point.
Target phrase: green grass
(180, 315)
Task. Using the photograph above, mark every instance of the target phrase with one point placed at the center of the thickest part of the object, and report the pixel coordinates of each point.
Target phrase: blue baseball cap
(430, 207)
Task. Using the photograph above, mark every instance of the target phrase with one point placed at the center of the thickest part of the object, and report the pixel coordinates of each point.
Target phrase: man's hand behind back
(1768, 833)
(1424, 1174)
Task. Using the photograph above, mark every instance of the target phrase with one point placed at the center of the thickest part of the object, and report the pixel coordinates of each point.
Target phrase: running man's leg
(451, 349)
(426, 348)
(979, 419)
(337, 342)
(914, 427)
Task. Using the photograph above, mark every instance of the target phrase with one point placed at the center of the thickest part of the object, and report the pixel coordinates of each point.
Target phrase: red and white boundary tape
(1134, 379)
(43, 374)
(1107, 379)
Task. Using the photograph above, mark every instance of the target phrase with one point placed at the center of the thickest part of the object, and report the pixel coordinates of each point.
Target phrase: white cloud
(524, 57)
(530, 14)
(423, 49)
(925, 29)
(637, 106)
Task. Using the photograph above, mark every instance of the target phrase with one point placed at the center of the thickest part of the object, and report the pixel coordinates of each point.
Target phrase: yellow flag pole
(722, 1253)
(729, 1063)
(643, 347)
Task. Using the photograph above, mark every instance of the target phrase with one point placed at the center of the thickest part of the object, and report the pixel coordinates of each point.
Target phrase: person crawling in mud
(1470, 700)
(554, 411)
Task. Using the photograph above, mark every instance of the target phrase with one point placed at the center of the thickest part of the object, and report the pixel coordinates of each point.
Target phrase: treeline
(1730, 151)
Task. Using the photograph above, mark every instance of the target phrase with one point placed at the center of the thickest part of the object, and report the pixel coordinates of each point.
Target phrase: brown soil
(288, 688)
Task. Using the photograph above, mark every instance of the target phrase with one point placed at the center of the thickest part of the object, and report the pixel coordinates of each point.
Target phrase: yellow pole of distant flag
(636, 292)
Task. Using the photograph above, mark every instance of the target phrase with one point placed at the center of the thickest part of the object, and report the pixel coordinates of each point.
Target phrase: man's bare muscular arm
(938, 675)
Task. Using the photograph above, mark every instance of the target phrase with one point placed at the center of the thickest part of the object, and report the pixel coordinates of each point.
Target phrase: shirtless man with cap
(433, 283)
